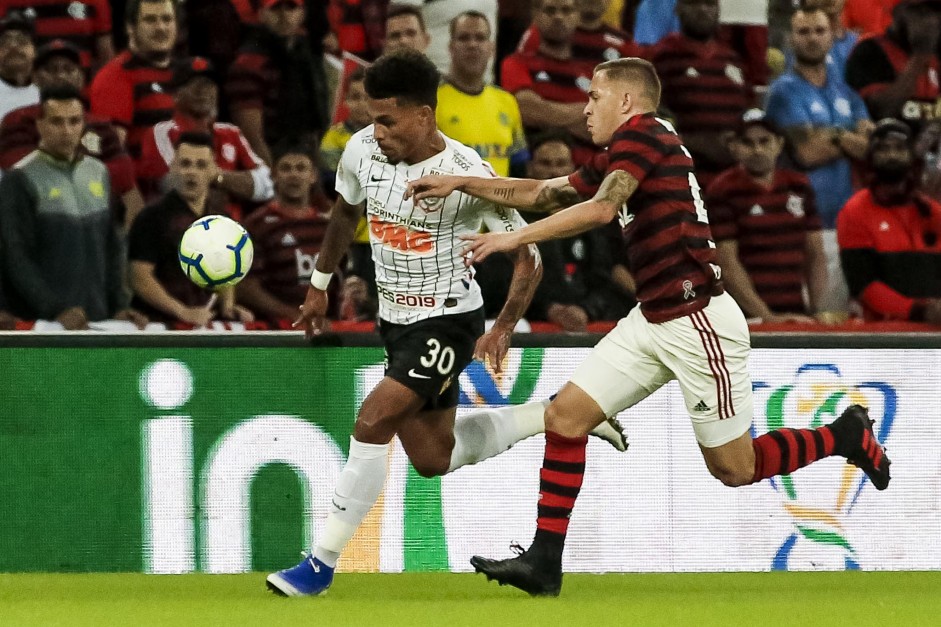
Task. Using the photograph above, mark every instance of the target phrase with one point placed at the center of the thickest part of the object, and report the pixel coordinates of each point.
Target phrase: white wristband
(320, 280)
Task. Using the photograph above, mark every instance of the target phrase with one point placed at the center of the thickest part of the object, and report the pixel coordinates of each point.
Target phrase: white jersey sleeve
(499, 219)
(348, 183)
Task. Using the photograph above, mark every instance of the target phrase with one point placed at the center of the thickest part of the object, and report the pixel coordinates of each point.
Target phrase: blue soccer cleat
(309, 578)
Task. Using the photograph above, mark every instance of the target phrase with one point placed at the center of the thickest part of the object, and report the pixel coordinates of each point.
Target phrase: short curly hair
(407, 75)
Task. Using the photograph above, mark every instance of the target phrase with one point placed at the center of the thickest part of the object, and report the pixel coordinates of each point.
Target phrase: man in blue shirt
(826, 124)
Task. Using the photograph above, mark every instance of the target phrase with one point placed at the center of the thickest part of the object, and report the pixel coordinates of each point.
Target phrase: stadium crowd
(815, 127)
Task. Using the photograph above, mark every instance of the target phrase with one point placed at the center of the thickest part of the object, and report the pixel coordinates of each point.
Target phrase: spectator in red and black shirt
(594, 40)
(57, 65)
(550, 84)
(133, 89)
(897, 73)
(765, 223)
(243, 176)
(84, 23)
(704, 85)
(288, 233)
(890, 234)
(276, 86)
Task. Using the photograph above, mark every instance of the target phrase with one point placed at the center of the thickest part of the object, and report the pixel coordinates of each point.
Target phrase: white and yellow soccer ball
(215, 252)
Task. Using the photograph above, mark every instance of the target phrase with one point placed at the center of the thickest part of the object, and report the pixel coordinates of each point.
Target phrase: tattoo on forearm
(505, 193)
(617, 187)
(556, 197)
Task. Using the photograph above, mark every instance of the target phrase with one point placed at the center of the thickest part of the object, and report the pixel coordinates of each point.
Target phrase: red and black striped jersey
(19, 137)
(77, 21)
(553, 79)
(770, 226)
(133, 94)
(670, 250)
(704, 87)
(604, 44)
(286, 246)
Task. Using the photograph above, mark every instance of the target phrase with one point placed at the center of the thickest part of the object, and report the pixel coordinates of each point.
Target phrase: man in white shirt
(431, 317)
(17, 53)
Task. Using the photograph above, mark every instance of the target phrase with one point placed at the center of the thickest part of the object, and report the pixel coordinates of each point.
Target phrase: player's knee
(429, 468)
(732, 476)
(561, 422)
(375, 426)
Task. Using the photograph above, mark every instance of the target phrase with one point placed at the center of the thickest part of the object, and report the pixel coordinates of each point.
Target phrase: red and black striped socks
(560, 480)
(783, 451)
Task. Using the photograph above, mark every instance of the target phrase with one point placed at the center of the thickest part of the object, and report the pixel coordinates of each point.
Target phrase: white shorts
(707, 352)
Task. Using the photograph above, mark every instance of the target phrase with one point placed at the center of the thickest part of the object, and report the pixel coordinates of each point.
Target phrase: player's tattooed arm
(616, 188)
(556, 194)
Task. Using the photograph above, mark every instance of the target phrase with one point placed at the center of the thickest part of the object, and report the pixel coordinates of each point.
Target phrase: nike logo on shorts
(415, 375)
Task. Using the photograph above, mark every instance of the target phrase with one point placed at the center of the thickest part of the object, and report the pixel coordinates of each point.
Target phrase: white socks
(357, 489)
(483, 434)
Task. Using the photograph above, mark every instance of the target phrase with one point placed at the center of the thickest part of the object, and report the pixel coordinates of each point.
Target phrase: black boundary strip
(287, 339)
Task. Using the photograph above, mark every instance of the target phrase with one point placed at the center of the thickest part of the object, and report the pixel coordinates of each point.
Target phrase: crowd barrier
(184, 452)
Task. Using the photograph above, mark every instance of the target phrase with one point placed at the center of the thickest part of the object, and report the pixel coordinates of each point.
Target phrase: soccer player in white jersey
(431, 317)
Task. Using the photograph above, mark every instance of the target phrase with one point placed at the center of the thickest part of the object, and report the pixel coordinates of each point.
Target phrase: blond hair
(637, 71)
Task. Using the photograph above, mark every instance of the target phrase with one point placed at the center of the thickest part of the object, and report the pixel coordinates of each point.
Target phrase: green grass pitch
(854, 599)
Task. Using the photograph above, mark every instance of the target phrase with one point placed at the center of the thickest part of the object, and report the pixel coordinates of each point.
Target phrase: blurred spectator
(242, 174)
(765, 225)
(17, 53)
(63, 255)
(593, 39)
(336, 137)
(287, 233)
(58, 65)
(86, 24)
(844, 40)
(481, 116)
(277, 86)
(704, 86)
(551, 85)
(360, 26)
(827, 125)
(405, 29)
(593, 278)
(889, 234)
(869, 17)
(132, 90)
(897, 73)
(160, 288)
(437, 17)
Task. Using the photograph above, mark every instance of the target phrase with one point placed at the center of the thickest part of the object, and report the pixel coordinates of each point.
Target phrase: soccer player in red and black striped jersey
(686, 328)
(133, 89)
(765, 223)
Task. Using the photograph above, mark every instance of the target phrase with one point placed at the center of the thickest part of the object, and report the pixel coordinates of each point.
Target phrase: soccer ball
(216, 251)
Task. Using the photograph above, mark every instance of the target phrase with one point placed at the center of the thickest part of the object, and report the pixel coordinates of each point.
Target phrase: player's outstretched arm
(615, 190)
(337, 240)
(527, 272)
(529, 194)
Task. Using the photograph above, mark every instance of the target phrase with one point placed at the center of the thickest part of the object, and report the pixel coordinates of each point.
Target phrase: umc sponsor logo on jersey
(401, 238)
(821, 498)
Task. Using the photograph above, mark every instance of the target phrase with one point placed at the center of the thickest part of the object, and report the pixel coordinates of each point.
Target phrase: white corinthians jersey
(418, 253)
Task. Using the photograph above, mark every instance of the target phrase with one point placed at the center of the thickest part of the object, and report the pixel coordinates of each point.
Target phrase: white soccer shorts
(707, 352)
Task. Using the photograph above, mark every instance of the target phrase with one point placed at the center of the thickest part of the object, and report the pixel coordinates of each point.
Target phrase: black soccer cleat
(858, 444)
(526, 571)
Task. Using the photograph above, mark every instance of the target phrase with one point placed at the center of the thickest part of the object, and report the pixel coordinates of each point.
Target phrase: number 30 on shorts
(439, 357)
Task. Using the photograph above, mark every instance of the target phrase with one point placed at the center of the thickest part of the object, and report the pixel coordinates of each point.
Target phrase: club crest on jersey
(795, 204)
